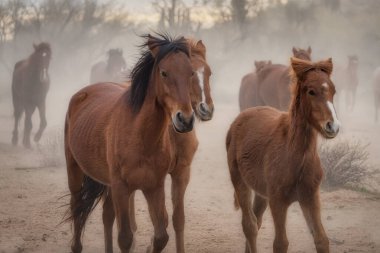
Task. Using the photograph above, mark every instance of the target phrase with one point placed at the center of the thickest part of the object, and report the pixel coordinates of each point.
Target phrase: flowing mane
(141, 73)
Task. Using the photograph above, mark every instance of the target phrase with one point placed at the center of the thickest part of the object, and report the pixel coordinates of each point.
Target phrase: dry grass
(345, 164)
(51, 149)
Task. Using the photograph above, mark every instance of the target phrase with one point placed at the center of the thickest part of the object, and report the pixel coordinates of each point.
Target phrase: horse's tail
(84, 202)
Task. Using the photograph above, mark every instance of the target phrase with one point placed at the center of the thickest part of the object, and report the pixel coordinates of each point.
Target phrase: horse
(117, 141)
(274, 82)
(248, 93)
(30, 85)
(110, 71)
(347, 81)
(275, 154)
(376, 89)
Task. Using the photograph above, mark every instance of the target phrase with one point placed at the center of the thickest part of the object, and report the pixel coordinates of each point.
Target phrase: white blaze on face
(336, 123)
(200, 74)
(325, 85)
(44, 54)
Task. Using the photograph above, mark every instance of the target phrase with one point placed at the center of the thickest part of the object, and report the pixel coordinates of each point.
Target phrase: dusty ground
(32, 196)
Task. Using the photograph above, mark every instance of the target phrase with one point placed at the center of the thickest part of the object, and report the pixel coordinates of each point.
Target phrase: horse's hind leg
(17, 115)
(243, 198)
(75, 180)
(259, 206)
(159, 217)
(28, 125)
(43, 122)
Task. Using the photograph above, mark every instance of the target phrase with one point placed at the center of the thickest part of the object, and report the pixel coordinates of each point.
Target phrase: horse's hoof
(37, 137)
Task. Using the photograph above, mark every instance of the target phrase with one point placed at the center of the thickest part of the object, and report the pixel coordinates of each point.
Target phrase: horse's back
(248, 92)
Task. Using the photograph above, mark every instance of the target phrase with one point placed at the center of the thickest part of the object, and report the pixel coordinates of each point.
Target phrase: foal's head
(313, 93)
(41, 58)
(116, 62)
(166, 68)
(302, 53)
(201, 99)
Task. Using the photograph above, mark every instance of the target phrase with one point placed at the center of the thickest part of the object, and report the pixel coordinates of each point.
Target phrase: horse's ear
(326, 66)
(152, 46)
(256, 64)
(200, 45)
(309, 50)
(294, 50)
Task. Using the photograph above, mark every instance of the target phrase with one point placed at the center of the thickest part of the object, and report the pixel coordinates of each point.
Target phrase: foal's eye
(311, 92)
(163, 73)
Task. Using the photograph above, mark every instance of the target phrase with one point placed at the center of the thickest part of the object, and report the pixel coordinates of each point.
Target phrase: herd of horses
(128, 136)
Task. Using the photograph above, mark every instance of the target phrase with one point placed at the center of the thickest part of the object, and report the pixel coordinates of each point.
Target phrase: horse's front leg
(120, 198)
(17, 115)
(311, 209)
(279, 208)
(43, 122)
(108, 220)
(157, 210)
(180, 180)
(28, 125)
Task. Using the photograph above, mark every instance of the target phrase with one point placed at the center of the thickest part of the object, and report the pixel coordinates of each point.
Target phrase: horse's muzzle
(182, 124)
(204, 111)
(331, 129)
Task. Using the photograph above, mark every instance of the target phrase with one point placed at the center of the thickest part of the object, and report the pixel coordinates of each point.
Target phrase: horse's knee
(160, 241)
(125, 240)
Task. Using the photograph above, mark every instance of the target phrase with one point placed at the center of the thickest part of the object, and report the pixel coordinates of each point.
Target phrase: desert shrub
(345, 163)
(51, 149)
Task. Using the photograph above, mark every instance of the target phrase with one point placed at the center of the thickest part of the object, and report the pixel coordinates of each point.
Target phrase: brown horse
(347, 81)
(110, 71)
(186, 145)
(376, 91)
(248, 93)
(274, 82)
(117, 138)
(275, 154)
(30, 85)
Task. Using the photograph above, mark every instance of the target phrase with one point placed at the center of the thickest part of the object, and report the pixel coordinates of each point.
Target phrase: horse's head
(172, 77)
(314, 95)
(116, 62)
(302, 53)
(42, 56)
(259, 65)
(201, 99)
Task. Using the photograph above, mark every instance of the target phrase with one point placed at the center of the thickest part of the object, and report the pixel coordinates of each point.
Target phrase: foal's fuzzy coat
(275, 154)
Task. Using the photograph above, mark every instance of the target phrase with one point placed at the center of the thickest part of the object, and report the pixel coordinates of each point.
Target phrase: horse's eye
(311, 92)
(192, 73)
(163, 73)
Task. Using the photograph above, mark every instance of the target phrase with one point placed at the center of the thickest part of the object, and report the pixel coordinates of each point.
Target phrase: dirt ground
(33, 199)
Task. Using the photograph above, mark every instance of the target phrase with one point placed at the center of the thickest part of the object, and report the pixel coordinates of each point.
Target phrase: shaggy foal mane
(142, 71)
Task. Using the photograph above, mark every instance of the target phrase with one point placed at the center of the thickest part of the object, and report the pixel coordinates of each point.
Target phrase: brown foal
(275, 154)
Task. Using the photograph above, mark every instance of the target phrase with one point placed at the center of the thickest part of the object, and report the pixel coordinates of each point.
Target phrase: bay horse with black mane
(117, 141)
(274, 81)
(110, 71)
(275, 154)
(30, 85)
(248, 92)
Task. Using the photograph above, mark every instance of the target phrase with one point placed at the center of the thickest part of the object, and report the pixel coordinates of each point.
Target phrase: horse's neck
(302, 136)
(152, 120)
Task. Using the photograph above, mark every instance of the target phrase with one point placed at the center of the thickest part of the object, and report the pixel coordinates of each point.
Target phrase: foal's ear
(295, 51)
(309, 50)
(200, 46)
(326, 66)
(152, 46)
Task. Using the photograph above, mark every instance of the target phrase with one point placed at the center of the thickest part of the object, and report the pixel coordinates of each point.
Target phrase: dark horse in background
(30, 85)
(110, 71)
(347, 81)
(248, 93)
(274, 82)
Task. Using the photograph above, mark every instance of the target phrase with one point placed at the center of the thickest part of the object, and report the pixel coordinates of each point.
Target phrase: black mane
(142, 71)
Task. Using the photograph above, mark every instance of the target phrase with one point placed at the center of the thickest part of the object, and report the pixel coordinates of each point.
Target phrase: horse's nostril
(330, 126)
(180, 117)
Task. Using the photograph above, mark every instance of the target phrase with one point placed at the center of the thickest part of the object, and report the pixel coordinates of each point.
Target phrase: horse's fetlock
(160, 241)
